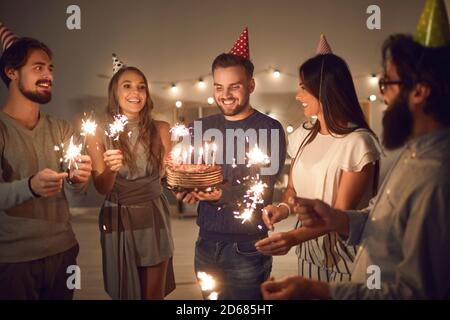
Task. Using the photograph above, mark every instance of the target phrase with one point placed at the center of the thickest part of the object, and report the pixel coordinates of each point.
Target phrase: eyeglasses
(384, 82)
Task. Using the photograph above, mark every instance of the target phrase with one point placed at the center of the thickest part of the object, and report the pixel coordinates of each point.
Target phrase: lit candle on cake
(184, 156)
(200, 156)
(206, 152)
(191, 149)
(176, 152)
(214, 147)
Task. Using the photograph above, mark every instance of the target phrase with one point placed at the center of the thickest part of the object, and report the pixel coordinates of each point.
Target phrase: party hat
(117, 64)
(433, 29)
(7, 37)
(241, 47)
(323, 47)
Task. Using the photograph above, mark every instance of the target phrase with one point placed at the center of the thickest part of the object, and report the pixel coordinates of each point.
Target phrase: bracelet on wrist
(282, 204)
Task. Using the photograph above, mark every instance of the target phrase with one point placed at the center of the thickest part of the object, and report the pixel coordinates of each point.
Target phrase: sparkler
(117, 127)
(179, 130)
(256, 156)
(253, 197)
(88, 127)
(71, 153)
(255, 192)
(207, 283)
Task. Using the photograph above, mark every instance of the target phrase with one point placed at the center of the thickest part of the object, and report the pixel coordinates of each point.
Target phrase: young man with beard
(404, 234)
(37, 244)
(225, 247)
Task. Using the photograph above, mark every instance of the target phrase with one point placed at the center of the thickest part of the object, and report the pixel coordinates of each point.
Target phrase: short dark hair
(226, 60)
(17, 54)
(418, 64)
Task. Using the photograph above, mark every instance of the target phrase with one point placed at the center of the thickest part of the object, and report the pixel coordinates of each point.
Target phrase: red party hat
(241, 47)
(323, 47)
(7, 37)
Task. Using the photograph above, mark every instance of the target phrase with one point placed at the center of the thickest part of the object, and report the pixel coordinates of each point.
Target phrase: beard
(240, 107)
(397, 122)
(38, 97)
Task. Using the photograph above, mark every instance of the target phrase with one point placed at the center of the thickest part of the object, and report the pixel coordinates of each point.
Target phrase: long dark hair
(328, 78)
(148, 131)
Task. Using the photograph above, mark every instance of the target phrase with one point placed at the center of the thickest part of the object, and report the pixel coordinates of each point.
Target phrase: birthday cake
(194, 176)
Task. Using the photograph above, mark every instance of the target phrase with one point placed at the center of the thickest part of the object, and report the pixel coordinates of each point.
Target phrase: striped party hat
(241, 47)
(7, 37)
(117, 64)
(323, 47)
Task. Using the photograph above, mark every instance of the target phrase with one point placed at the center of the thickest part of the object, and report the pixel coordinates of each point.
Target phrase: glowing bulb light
(201, 83)
(276, 73)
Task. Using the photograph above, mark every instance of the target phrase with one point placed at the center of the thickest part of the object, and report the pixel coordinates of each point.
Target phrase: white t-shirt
(316, 173)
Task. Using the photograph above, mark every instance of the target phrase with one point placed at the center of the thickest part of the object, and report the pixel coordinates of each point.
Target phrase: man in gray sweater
(37, 244)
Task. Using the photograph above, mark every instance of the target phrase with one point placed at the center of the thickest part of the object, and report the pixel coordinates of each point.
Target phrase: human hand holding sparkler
(113, 159)
(80, 169)
(47, 183)
(273, 214)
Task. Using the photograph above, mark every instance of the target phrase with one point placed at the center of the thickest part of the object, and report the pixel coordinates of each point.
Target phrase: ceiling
(177, 40)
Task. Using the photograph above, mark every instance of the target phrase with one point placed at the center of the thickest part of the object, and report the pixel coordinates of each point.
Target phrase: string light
(201, 83)
(276, 73)
(373, 79)
(178, 104)
(174, 88)
(289, 129)
(373, 98)
(210, 100)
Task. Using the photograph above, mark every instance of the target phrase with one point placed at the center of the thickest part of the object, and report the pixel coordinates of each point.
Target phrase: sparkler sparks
(88, 127)
(253, 197)
(71, 153)
(117, 126)
(256, 156)
(206, 281)
(179, 130)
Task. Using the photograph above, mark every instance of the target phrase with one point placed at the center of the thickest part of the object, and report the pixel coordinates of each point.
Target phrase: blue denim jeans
(238, 268)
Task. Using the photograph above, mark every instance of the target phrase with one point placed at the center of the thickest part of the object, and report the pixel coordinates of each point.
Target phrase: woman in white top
(335, 159)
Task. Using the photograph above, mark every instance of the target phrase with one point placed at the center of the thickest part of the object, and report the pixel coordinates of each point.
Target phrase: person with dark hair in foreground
(38, 248)
(225, 248)
(335, 159)
(404, 234)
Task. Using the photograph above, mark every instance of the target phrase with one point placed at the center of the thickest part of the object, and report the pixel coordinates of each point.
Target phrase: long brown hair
(328, 78)
(148, 131)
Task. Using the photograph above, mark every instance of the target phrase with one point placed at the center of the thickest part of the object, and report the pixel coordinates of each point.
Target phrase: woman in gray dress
(136, 240)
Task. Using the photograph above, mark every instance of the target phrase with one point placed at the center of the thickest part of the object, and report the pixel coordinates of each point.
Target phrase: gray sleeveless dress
(135, 228)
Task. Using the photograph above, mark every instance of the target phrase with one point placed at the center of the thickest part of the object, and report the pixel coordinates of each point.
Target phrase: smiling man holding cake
(225, 247)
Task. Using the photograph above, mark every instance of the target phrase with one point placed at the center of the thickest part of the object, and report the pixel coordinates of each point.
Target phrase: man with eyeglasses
(404, 234)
